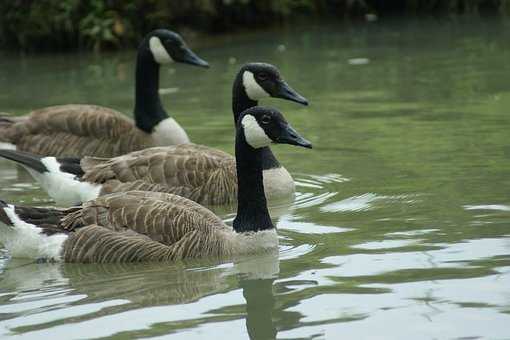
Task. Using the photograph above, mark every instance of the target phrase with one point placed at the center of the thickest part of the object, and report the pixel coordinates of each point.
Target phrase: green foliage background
(97, 24)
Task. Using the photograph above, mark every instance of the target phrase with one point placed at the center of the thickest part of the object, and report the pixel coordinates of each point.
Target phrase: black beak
(284, 91)
(189, 57)
(290, 136)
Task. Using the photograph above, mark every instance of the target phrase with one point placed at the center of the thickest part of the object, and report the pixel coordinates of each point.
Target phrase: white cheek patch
(254, 134)
(159, 51)
(252, 88)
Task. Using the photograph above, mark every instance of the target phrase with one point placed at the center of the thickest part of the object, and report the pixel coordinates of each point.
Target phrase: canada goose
(89, 130)
(200, 173)
(152, 226)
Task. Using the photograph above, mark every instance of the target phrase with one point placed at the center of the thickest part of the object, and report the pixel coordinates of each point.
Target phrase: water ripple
(497, 207)
(364, 202)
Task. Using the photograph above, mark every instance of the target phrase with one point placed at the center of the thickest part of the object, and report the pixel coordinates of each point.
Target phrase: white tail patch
(7, 146)
(254, 134)
(252, 88)
(159, 51)
(27, 241)
(169, 132)
(64, 187)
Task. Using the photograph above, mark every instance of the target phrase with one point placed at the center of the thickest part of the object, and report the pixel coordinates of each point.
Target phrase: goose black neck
(241, 102)
(148, 109)
(252, 213)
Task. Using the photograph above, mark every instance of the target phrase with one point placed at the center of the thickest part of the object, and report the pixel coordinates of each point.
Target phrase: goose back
(97, 244)
(124, 227)
(202, 174)
(76, 130)
(163, 217)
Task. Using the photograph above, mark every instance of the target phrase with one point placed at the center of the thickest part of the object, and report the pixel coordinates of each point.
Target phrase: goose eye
(265, 120)
(263, 76)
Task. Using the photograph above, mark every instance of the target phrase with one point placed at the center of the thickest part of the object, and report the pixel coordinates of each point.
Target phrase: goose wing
(76, 130)
(164, 218)
(125, 227)
(202, 174)
(98, 244)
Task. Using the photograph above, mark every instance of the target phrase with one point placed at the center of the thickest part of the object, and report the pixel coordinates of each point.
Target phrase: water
(400, 228)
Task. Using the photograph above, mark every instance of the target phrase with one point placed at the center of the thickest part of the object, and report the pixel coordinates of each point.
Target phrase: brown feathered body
(205, 175)
(137, 226)
(202, 174)
(74, 131)
(141, 226)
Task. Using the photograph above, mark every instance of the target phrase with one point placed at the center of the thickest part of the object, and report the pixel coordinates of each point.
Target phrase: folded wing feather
(200, 173)
(76, 130)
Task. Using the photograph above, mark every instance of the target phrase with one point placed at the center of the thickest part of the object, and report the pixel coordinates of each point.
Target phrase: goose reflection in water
(39, 299)
(258, 292)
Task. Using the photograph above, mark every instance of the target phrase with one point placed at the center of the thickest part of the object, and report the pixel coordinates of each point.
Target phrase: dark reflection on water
(259, 308)
(400, 224)
(88, 293)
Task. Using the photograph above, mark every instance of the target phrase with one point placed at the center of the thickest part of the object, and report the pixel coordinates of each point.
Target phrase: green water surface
(401, 224)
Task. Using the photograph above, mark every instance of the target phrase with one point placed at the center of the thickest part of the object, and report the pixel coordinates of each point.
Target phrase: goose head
(167, 46)
(262, 126)
(261, 80)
